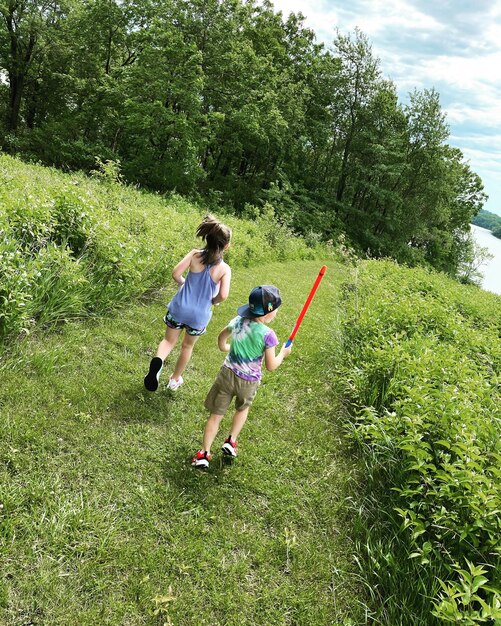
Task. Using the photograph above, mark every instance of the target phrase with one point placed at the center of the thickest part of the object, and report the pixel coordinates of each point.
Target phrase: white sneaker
(175, 384)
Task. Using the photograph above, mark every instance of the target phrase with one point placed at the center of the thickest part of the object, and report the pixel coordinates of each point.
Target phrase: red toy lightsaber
(305, 306)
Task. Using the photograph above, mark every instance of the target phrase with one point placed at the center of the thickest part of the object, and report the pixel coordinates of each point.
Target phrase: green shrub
(423, 365)
(71, 223)
(36, 221)
(59, 287)
(14, 287)
(29, 224)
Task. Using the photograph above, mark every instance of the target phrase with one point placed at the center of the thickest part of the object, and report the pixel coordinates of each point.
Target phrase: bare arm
(272, 360)
(181, 267)
(222, 340)
(224, 287)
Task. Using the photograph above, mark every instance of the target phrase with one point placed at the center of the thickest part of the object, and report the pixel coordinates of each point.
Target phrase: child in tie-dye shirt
(250, 341)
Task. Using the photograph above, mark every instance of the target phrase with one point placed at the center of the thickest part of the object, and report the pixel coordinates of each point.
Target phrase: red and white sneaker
(229, 447)
(201, 459)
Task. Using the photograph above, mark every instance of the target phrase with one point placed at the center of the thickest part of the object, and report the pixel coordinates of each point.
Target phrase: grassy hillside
(371, 457)
(73, 246)
(103, 521)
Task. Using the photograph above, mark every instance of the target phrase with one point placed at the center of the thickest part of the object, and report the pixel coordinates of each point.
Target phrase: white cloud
(488, 114)
(372, 17)
(464, 73)
(383, 15)
(481, 140)
(486, 159)
(320, 18)
(492, 33)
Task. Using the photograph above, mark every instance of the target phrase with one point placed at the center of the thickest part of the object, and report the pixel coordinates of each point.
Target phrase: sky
(453, 46)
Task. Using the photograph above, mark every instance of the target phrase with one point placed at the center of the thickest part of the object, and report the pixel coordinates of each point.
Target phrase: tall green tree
(357, 85)
(243, 49)
(373, 202)
(27, 29)
(162, 115)
(228, 99)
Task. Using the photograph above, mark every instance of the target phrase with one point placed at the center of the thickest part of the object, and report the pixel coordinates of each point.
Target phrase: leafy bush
(14, 287)
(71, 224)
(423, 364)
(29, 225)
(59, 286)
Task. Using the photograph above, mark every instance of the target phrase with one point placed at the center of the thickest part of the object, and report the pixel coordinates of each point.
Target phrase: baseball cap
(262, 300)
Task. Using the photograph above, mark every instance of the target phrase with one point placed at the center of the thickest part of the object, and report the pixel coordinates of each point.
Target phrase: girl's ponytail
(216, 237)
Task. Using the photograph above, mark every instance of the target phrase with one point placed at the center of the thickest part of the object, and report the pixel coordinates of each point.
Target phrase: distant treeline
(488, 220)
(231, 102)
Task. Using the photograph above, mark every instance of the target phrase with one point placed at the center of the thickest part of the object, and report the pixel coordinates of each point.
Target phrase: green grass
(103, 520)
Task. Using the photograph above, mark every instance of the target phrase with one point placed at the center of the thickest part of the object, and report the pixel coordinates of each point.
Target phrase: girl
(207, 283)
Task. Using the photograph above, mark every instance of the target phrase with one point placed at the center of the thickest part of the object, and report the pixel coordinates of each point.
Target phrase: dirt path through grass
(102, 519)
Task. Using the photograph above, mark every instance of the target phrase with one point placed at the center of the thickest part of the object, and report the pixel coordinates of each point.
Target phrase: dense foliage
(71, 246)
(488, 220)
(423, 365)
(233, 101)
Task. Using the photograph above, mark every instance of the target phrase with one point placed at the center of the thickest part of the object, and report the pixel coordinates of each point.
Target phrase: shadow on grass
(201, 485)
(137, 405)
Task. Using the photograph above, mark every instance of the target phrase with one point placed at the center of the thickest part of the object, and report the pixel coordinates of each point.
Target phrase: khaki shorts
(228, 386)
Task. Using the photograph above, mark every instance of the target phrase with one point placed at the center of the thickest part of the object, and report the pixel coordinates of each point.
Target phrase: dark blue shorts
(171, 323)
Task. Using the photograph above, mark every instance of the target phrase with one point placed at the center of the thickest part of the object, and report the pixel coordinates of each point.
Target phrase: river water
(492, 269)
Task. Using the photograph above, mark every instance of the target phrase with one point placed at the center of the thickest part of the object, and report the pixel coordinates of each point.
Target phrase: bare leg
(168, 342)
(210, 431)
(164, 348)
(185, 354)
(238, 422)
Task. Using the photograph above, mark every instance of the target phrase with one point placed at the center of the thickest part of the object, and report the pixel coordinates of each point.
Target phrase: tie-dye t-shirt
(249, 339)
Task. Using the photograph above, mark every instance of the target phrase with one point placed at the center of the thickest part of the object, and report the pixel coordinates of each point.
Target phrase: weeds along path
(103, 520)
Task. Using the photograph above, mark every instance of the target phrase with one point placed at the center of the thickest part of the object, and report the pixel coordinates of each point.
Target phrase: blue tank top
(192, 304)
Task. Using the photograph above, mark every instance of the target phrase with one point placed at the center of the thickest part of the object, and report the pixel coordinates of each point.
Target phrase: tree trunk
(15, 93)
(19, 63)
